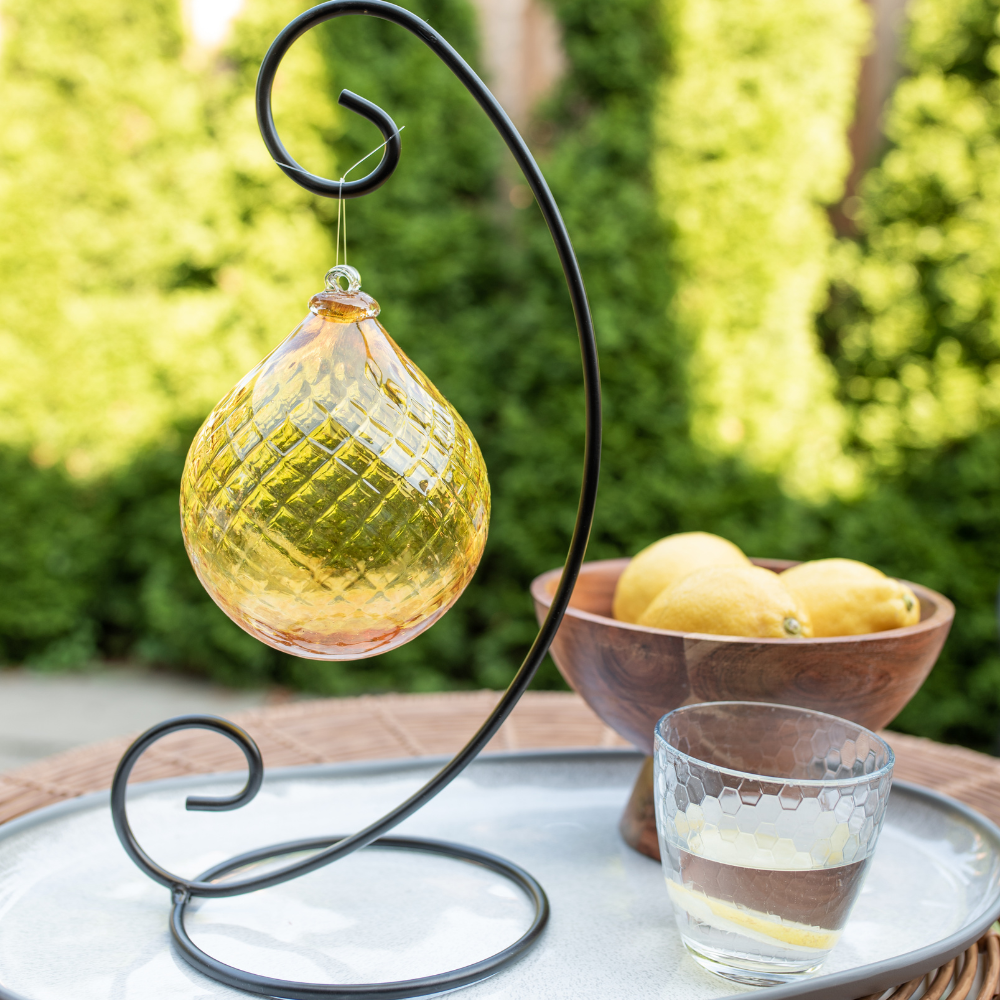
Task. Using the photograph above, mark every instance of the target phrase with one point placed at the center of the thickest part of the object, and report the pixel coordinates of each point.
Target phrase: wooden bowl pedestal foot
(638, 822)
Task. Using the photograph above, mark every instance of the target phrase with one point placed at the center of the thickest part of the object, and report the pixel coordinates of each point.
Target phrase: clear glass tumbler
(767, 817)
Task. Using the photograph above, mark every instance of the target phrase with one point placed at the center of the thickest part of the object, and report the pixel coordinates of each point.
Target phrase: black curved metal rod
(592, 387)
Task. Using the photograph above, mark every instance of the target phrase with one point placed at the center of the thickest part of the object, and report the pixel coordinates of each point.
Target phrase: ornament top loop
(343, 305)
(348, 273)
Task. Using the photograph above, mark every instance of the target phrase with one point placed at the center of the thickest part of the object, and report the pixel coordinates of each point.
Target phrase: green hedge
(752, 127)
(149, 253)
(472, 290)
(914, 326)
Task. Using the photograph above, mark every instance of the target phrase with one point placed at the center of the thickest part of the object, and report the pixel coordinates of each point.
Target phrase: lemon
(754, 924)
(845, 597)
(729, 600)
(664, 563)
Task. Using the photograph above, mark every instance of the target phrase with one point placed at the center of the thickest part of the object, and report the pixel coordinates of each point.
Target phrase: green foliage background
(159, 266)
(749, 154)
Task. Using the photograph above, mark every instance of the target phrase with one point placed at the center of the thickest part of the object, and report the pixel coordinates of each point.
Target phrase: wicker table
(393, 726)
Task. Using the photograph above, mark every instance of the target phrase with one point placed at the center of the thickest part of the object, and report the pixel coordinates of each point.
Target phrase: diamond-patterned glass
(767, 819)
(334, 503)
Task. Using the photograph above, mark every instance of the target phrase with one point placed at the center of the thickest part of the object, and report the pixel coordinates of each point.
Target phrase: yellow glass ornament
(334, 504)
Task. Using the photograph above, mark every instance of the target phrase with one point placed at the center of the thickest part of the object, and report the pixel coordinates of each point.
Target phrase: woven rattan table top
(415, 725)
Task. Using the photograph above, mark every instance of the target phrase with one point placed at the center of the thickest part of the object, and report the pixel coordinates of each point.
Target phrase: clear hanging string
(342, 204)
(341, 213)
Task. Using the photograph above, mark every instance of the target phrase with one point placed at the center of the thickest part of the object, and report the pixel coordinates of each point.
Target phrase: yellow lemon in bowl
(664, 563)
(846, 597)
(729, 600)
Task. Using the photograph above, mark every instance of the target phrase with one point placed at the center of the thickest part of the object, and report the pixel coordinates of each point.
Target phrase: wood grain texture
(630, 675)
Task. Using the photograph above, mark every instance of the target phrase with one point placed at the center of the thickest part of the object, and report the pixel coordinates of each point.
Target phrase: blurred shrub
(914, 327)
(150, 252)
(752, 128)
(437, 259)
(53, 564)
(472, 290)
(939, 523)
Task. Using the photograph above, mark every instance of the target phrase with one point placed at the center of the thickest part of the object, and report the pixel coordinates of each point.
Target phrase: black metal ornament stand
(327, 850)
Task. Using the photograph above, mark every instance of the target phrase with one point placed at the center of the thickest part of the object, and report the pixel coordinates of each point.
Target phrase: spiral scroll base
(321, 851)
(424, 986)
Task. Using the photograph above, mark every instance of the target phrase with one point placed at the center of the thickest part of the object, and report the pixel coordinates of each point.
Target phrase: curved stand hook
(320, 185)
(330, 849)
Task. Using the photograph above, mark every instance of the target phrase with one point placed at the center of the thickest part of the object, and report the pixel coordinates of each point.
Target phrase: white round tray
(78, 920)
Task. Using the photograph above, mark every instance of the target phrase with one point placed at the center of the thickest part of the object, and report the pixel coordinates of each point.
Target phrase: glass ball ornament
(334, 504)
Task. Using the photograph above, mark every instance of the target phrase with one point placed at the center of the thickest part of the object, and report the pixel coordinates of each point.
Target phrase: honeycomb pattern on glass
(827, 811)
(334, 504)
(767, 817)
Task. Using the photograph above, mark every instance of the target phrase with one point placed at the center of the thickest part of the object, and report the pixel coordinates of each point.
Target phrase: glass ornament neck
(340, 305)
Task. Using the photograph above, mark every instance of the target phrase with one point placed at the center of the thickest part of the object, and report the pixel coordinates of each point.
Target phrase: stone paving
(45, 713)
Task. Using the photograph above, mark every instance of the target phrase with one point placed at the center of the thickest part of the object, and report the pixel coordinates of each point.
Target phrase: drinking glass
(767, 818)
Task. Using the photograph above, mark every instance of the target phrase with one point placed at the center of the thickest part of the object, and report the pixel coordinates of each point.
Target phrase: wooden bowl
(630, 675)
